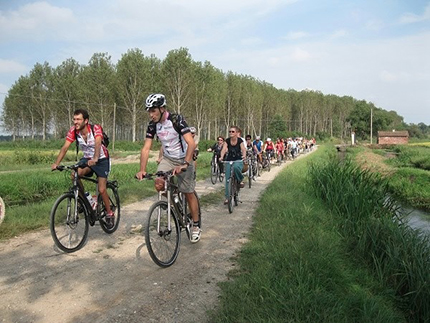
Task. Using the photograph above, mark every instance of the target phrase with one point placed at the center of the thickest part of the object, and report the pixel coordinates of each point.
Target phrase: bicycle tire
(69, 233)
(250, 174)
(230, 195)
(115, 206)
(162, 244)
(214, 171)
(188, 214)
(2, 210)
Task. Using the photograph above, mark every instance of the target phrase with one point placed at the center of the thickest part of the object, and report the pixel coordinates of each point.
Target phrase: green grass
(30, 194)
(297, 267)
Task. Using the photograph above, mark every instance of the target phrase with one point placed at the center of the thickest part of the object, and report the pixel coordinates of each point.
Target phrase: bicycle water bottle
(91, 200)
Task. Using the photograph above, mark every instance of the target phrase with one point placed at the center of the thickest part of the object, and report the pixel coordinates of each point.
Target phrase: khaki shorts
(186, 180)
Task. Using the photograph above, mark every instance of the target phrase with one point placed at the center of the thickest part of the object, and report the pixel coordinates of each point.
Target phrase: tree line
(41, 103)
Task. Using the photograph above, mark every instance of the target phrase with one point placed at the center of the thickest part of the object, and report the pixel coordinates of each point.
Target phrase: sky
(373, 50)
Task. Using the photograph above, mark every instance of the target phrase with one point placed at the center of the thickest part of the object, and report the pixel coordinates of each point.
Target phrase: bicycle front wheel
(214, 172)
(114, 206)
(69, 223)
(162, 242)
(231, 190)
(250, 174)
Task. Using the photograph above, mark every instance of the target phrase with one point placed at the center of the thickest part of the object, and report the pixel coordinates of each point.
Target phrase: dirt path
(113, 279)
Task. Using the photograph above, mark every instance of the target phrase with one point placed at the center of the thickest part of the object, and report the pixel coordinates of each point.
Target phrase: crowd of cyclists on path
(178, 152)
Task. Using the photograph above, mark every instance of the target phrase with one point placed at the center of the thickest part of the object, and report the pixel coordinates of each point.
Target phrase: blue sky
(376, 50)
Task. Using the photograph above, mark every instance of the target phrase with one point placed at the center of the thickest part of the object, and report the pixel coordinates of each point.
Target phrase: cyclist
(258, 148)
(216, 149)
(178, 150)
(96, 155)
(269, 148)
(233, 150)
(280, 147)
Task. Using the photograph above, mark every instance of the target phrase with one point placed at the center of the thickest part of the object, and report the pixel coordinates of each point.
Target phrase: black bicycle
(252, 167)
(216, 173)
(72, 213)
(233, 187)
(166, 220)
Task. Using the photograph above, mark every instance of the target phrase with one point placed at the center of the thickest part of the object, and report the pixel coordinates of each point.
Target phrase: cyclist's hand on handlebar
(179, 169)
(54, 167)
(140, 175)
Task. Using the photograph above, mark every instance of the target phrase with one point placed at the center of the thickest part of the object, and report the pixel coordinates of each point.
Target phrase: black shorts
(102, 168)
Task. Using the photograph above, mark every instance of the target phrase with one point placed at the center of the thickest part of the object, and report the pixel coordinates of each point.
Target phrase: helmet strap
(161, 114)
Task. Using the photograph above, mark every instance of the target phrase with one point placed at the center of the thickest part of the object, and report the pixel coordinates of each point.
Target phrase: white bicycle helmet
(268, 139)
(155, 100)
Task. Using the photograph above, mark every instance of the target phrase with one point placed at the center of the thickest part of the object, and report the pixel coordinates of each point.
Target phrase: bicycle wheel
(69, 223)
(2, 210)
(231, 190)
(162, 243)
(250, 174)
(115, 207)
(214, 171)
(268, 164)
(188, 220)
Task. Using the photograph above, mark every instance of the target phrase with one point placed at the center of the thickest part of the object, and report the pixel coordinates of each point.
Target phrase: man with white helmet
(178, 148)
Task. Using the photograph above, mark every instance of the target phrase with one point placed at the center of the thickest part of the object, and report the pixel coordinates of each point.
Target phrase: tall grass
(367, 218)
(296, 267)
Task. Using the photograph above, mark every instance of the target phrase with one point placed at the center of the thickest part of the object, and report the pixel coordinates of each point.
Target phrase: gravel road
(113, 279)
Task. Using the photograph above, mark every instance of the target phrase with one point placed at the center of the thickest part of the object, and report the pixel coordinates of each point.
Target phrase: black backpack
(105, 140)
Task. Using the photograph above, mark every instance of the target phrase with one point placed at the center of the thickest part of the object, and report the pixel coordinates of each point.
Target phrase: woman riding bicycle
(216, 149)
(233, 150)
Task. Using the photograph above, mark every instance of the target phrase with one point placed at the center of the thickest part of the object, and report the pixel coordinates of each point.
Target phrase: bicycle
(2, 210)
(233, 187)
(166, 220)
(72, 213)
(251, 172)
(215, 171)
(266, 161)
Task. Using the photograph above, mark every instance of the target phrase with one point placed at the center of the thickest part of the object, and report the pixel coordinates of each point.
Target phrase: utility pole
(371, 125)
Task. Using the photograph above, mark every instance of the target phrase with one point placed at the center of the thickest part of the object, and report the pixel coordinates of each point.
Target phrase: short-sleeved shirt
(174, 146)
(257, 144)
(88, 147)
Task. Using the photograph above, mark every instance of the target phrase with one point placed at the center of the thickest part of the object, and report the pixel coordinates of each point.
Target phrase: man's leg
(102, 191)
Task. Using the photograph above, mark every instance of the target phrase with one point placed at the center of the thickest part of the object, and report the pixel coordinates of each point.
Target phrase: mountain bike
(233, 187)
(215, 171)
(2, 210)
(72, 213)
(266, 161)
(166, 220)
(252, 167)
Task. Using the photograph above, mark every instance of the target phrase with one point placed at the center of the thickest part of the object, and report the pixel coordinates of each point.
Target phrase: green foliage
(367, 218)
(295, 267)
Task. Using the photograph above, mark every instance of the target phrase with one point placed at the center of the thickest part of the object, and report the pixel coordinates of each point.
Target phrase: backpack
(105, 140)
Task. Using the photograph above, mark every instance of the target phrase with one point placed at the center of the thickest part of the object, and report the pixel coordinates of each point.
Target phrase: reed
(368, 218)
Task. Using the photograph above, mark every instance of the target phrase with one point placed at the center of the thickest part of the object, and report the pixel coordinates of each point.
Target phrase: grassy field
(300, 264)
(30, 192)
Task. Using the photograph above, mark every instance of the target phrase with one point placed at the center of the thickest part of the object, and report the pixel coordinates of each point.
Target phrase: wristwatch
(186, 163)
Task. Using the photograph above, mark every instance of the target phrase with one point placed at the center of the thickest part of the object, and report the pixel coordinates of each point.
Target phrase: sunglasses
(232, 131)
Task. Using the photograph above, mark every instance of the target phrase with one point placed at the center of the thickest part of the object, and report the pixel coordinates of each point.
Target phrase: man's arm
(144, 155)
(224, 150)
(97, 148)
(61, 154)
(191, 147)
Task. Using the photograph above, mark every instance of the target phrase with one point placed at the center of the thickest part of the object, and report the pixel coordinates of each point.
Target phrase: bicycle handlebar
(160, 173)
(73, 167)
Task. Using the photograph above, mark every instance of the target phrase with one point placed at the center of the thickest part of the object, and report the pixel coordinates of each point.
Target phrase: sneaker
(226, 202)
(110, 220)
(195, 234)
(242, 184)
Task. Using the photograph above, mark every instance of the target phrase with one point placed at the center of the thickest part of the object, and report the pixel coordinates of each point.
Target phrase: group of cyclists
(178, 152)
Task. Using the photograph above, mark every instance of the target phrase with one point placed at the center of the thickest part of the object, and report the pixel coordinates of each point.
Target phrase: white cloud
(35, 21)
(9, 66)
(300, 55)
(294, 35)
(409, 18)
(339, 34)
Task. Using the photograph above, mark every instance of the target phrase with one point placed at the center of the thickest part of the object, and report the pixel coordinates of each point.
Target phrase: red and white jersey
(88, 147)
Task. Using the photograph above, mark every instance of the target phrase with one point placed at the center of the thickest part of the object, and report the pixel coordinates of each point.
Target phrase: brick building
(393, 137)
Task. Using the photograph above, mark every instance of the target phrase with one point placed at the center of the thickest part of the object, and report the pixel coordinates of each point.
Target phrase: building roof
(393, 134)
